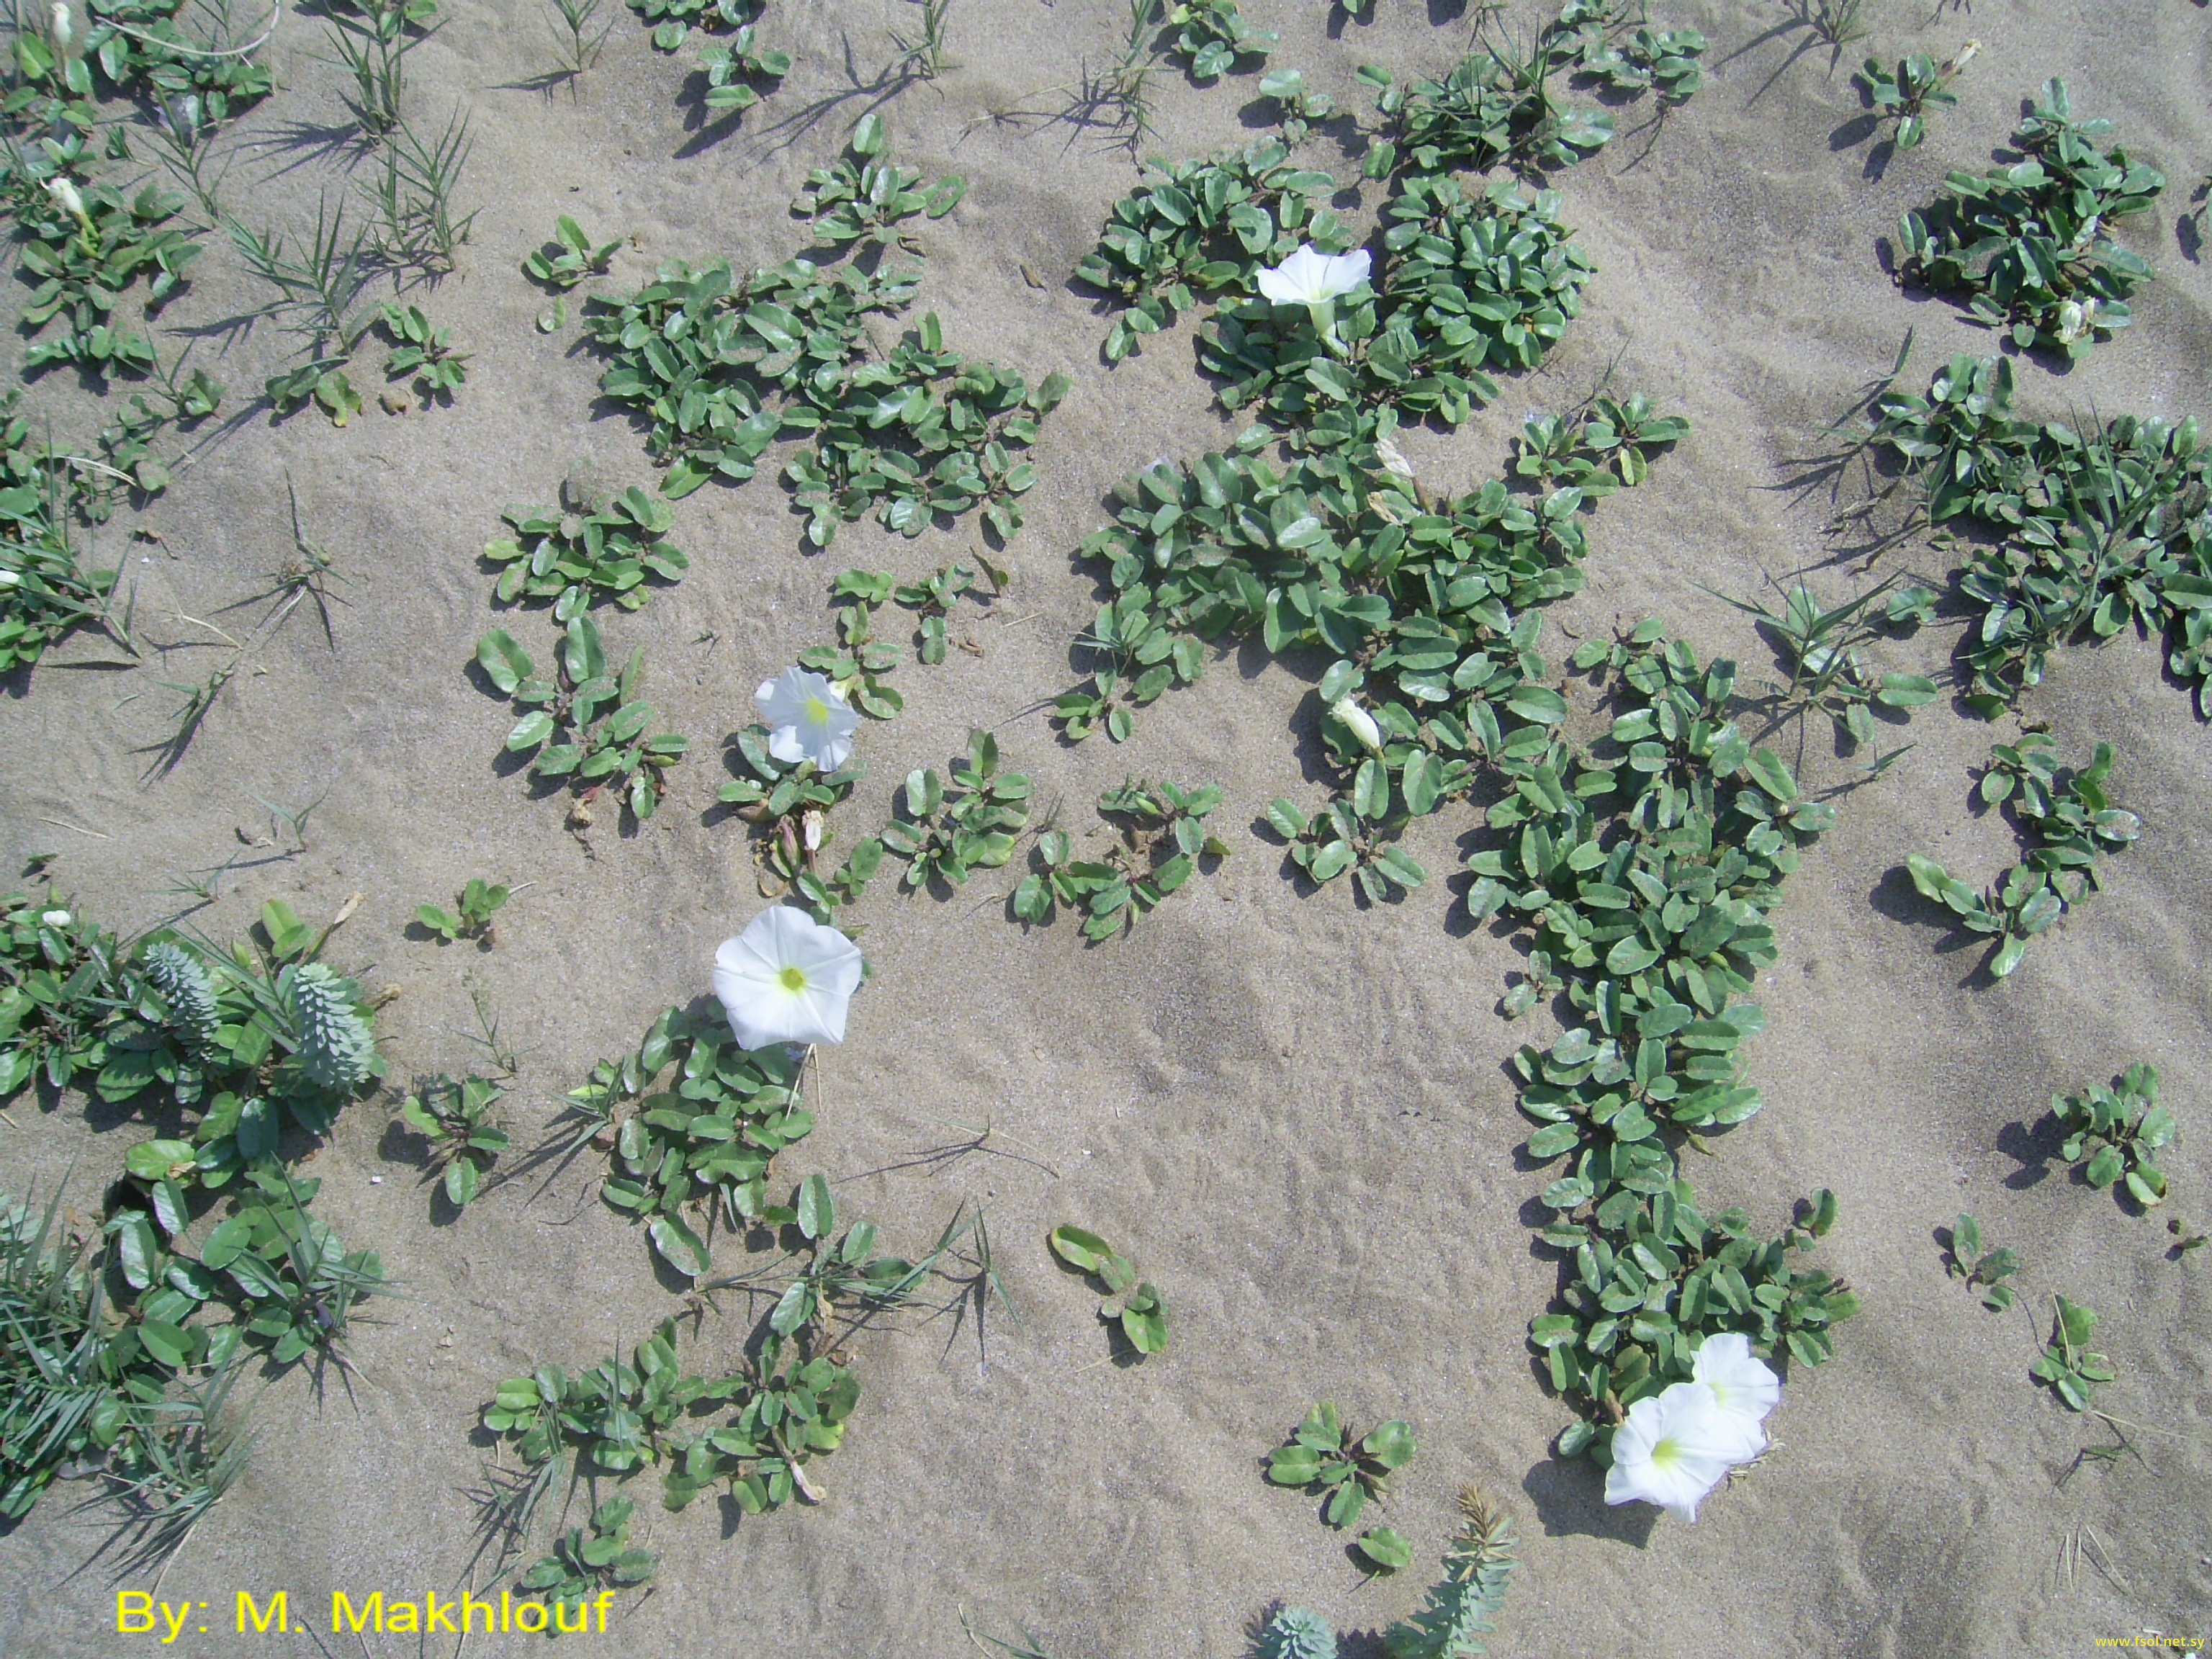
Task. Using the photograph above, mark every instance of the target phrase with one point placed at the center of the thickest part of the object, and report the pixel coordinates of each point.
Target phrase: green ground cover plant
(1323, 1456)
(459, 1121)
(2068, 823)
(1216, 38)
(584, 1562)
(721, 368)
(2072, 535)
(1140, 1315)
(1163, 835)
(697, 1148)
(599, 547)
(1640, 864)
(972, 824)
(758, 1428)
(2073, 1372)
(2028, 247)
(787, 805)
(2120, 1129)
(1917, 85)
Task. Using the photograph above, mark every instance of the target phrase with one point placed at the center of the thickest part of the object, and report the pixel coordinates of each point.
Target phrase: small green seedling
(425, 352)
(599, 719)
(1159, 847)
(2121, 1130)
(475, 905)
(1142, 1313)
(570, 258)
(1985, 1273)
(922, 56)
(2066, 1364)
(2186, 1238)
(1322, 1456)
(1300, 108)
(1917, 85)
(458, 1118)
(1213, 34)
(731, 69)
(579, 43)
(971, 826)
(582, 1564)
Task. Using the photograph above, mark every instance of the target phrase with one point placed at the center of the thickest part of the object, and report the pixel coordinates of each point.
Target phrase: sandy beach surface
(1292, 1109)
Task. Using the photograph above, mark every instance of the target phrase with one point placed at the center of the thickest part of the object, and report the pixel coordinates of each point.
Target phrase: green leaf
(1385, 1550)
(1768, 771)
(817, 1214)
(679, 1246)
(463, 1181)
(1079, 1249)
(153, 1160)
(1146, 1326)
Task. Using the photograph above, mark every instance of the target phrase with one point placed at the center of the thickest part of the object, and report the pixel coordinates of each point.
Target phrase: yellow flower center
(1665, 1453)
(792, 979)
(818, 711)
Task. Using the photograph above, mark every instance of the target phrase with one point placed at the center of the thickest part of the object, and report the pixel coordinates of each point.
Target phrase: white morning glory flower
(1675, 1449)
(1740, 1381)
(786, 979)
(1312, 278)
(808, 719)
(56, 918)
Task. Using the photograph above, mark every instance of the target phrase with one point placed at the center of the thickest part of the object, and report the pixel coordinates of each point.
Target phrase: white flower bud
(56, 918)
(64, 193)
(1358, 721)
(1393, 461)
(59, 30)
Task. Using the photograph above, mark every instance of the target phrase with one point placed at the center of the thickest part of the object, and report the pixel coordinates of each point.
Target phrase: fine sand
(1292, 1109)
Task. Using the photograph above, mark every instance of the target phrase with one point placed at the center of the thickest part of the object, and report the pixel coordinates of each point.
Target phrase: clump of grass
(922, 56)
(580, 42)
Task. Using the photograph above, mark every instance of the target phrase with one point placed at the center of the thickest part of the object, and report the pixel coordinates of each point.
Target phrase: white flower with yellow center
(786, 979)
(808, 719)
(1675, 1449)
